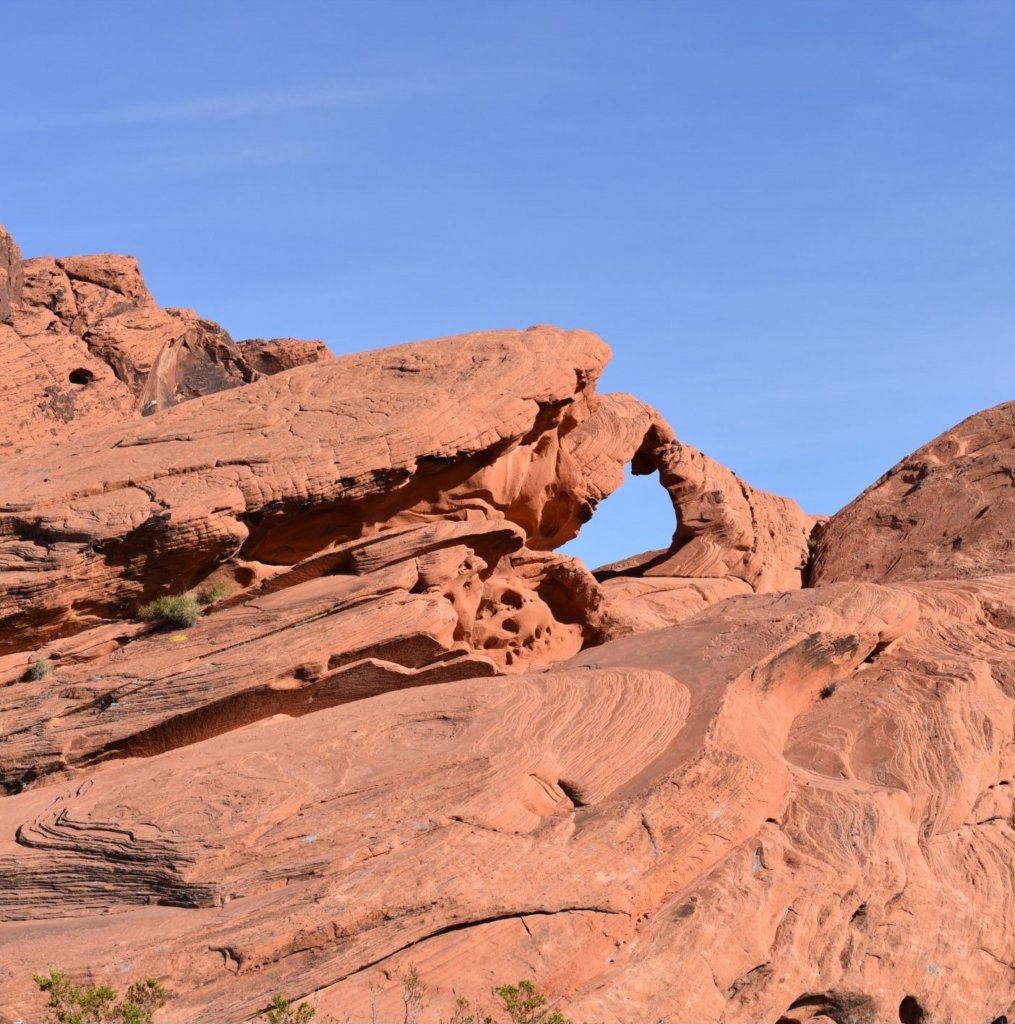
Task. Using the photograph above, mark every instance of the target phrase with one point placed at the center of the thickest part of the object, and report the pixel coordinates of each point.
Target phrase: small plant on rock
(100, 1004)
(282, 1011)
(179, 610)
(525, 1004)
(39, 669)
(142, 1000)
(464, 1013)
(413, 994)
(214, 592)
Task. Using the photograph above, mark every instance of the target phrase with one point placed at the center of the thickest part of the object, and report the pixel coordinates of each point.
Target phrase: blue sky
(791, 219)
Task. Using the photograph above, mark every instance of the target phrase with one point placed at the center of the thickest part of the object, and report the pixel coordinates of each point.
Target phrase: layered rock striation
(405, 731)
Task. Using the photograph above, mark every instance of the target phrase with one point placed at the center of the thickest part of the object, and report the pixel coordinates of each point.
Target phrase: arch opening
(636, 519)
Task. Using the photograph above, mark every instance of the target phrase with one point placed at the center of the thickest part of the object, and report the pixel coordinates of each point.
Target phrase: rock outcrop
(738, 817)
(87, 345)
(405, 731)
(372, 542)
(945, 512)
(11, 282)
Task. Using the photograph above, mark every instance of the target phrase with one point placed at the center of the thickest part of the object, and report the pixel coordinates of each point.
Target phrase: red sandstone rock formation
(682, 788)
(944, 512)
(86, 345)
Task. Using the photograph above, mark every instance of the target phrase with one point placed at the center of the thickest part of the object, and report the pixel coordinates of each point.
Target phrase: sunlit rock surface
(405, 731)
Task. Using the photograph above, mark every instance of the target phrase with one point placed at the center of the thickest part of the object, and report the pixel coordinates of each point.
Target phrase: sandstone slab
(761, 762)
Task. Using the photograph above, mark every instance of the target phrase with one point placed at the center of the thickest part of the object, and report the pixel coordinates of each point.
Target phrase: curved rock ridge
(946, 511)
(85, 344)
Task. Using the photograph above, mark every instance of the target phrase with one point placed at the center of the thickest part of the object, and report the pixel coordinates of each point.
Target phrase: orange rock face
(944, 512)
(86, 345)
(404, 731)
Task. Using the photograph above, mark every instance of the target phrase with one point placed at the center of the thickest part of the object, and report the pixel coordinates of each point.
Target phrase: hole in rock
(879, 649)
(81, 376)
(16, 785)
(910, 1011)
(841, 1007)
(572, 792)
(636, 518)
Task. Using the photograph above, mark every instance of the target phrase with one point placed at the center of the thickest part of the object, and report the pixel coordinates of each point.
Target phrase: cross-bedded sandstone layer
(679, 788)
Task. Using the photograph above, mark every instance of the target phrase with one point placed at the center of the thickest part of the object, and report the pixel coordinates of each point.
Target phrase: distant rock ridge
(763, 773)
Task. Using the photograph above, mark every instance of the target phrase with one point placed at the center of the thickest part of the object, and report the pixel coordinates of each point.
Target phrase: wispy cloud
(231, 107)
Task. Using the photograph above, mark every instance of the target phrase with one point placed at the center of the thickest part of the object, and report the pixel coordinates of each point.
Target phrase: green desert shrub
(282, 1011)
(213, 592)
(70, 1003)
(525, 1004)
(99, 1004)
(40, 669)
(413, 994)
(178, 610)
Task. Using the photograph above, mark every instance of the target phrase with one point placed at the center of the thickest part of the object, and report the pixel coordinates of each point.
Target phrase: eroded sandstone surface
(731, 779)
